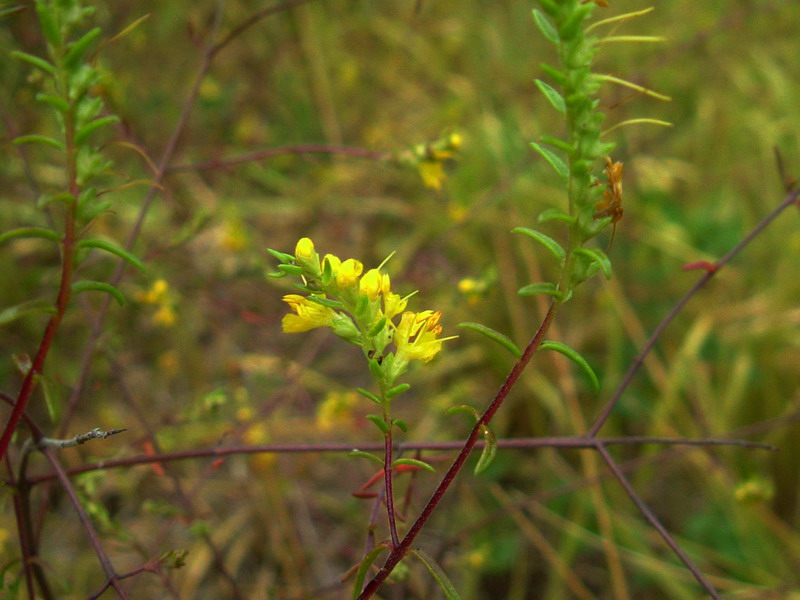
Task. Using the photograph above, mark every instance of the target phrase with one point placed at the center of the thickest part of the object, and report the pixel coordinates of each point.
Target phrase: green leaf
(554, 214)
(553, 160)
(113, 249)
(496, 336)
(571, 354)
(80, 46)
(54, 101)
(31, 232)
(277, 275)
(291, 269)
(37, 62)
(397, 390)
(334, 304)
(64, 197)
(281, 256)
(400, 424)
(464, 408)
(546, 27)
(98, 286)
(599, 257)
(377, 328)
(414, 462)
(489, 451)
(52, 396)
(553, 96)
(553, 246)
(368, 395)
(39, 139)
(376, 369)
(4, 12)
(379, 423)
(367, 455)
(558, 143)
(48, 22)
(32, 307)
(553, 73)
(84, 132)
(363, 568)
(541, 288)
(437, 572)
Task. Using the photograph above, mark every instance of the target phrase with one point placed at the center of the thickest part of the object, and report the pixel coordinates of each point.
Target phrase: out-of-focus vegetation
(197, 358)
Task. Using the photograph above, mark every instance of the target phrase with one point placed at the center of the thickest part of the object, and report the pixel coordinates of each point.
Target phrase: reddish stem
(400, 550)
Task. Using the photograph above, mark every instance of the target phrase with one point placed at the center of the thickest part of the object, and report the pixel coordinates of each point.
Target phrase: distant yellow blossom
(432, 173)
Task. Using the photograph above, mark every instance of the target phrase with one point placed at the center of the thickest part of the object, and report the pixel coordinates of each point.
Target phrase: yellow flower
(336, 410)
(304, 249)
(393, 305)
(155, 294)
(307, 314)
(416, 336)
(374, 283)
(348, 273)
(432, 173)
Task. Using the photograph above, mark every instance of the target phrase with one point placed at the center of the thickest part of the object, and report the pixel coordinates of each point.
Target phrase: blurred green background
(197, 357)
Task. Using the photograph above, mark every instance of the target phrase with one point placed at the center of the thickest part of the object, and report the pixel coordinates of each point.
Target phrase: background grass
(378, 75)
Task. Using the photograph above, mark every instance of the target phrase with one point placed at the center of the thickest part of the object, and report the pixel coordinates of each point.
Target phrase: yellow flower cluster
(159, 295)
(361, 308)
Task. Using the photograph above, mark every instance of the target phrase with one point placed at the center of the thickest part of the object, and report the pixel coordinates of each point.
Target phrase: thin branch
(653, 520)
(258, 155)
(85, 520)
(577, 442)
(706, 277)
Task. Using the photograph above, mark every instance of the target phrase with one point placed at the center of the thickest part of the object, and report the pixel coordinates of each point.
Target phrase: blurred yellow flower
(432, 173)
(165, 316)
(155, 294)
(335, 409)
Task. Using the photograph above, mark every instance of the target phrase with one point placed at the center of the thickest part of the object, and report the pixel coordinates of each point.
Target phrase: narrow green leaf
(464, 408)
(367, 455)
(379, 423)
(48, 23)
(376, 369)
(84, 132)
(552, 96)
(554, 214)
(291, 269)
(98, 286)
(554, 161)
(377, 328)
(10, 10)
(277, 275)
(553, 246)
(401, 425)
(397, 390)
(37, 62)
(599, 257)
(437, 572)
(39, 139)
(80, 46)
(368, 395)
(281, 256)
(553, 73)
(52, 397)
(558, 143)
(12, 313)
(113, 249)
(414, 462)
(363, 568)
(546, 27)
(54, 101)
(571, 354)
(30, 232)
(496, 336)
(488, 453)
(334, 304)
(547, 288)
